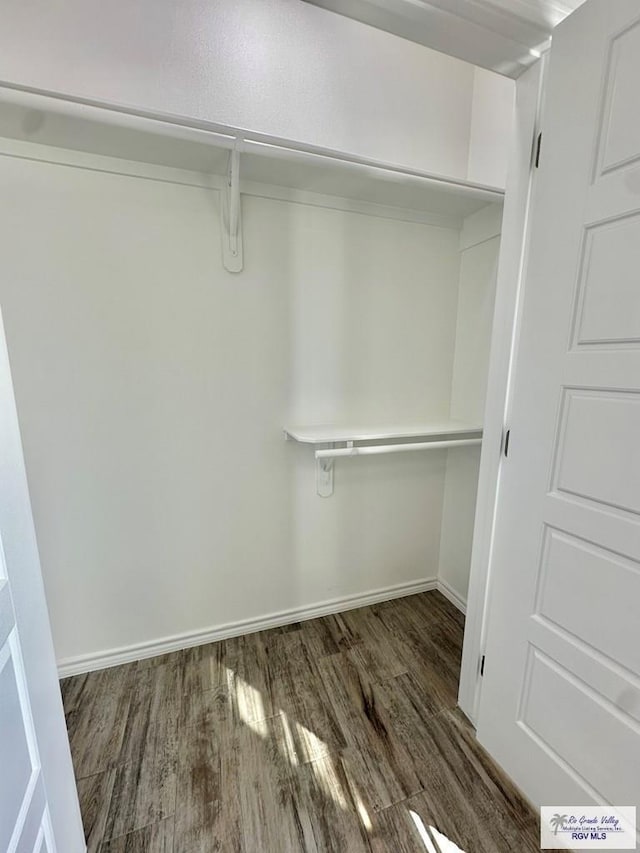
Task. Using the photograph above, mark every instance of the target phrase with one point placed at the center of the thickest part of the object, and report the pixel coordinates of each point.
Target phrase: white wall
(480, 245)
(152, 387)
(283, 67)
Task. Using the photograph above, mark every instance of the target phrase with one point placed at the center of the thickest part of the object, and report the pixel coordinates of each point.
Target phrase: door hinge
(506, 442)
(482, 665)
(538, 147)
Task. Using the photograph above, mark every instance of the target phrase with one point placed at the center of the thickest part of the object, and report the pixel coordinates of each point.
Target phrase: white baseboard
(449, 592)
(127, 654)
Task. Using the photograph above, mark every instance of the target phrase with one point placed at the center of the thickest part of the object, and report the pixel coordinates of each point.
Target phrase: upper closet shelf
(266, 166)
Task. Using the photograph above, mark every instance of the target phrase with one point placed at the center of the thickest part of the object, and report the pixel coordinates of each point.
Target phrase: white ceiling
(503, 35)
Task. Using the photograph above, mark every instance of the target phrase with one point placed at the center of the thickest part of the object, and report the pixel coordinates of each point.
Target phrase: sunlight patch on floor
(311, 746)
(362, 811)
(328, 781)
(433, 840)
(249, 703)
(288, 746)
(445, 844)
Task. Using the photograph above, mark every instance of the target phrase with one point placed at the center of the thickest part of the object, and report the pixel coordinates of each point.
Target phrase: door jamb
(506, 324)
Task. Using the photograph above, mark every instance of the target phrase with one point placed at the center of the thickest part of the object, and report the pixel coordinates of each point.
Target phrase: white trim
(529, 95)
(502, 35)
(139, 651)
(450, 593)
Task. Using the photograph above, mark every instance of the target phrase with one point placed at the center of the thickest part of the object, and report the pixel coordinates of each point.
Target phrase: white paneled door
(38, 800)
(560, 703)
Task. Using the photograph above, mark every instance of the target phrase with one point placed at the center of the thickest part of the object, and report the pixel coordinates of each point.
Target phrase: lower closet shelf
(433, 436)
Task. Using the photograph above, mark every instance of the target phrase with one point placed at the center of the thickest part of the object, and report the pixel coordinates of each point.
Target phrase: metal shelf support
(231, 219)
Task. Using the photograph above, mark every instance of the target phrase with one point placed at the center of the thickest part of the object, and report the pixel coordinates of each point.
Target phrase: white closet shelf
(269, 167)
(357, 441)
(332, 433)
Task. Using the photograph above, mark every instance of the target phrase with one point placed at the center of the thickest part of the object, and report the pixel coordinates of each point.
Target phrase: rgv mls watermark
(588, 827)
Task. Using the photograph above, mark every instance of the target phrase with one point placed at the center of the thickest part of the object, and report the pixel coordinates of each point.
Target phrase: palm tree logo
(557, 821)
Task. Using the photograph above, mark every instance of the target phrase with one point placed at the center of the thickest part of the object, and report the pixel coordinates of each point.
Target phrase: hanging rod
(428, 435)
(375, 449)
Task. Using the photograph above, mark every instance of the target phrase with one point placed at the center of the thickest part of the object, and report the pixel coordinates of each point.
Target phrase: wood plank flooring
(339, 734)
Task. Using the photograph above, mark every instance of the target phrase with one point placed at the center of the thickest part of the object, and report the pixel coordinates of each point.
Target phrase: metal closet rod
(375, 449)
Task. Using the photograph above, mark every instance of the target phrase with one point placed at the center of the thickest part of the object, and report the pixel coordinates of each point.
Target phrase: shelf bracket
(324, 475)
(231, 219)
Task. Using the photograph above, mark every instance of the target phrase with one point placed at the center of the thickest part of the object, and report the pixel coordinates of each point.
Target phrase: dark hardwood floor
(340, 734)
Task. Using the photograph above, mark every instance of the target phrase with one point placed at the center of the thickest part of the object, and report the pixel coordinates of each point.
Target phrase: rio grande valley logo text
(588, 827)
(581, 828)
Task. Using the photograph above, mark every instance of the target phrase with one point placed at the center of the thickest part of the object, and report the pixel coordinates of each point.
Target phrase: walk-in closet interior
(248, 287)
(250, 376)
(313, 424)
